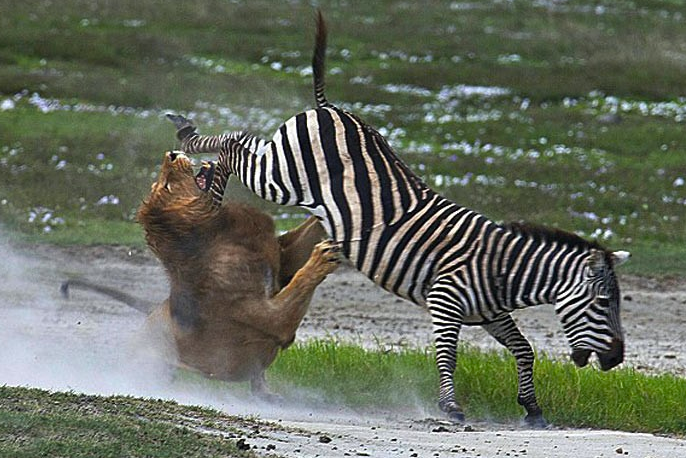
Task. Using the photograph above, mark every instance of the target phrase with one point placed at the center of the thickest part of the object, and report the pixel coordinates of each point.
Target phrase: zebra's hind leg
(446, 316)
(505, 331)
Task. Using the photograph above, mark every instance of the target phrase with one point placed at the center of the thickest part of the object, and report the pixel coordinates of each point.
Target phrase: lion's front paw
(327, 255)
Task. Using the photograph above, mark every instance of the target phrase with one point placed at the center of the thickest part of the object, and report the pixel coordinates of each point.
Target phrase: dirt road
(93, 344)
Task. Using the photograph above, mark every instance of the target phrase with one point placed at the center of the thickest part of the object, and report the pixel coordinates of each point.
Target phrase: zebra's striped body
(463, 267)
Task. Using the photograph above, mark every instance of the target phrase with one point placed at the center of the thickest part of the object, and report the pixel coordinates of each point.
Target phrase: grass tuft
(35, 422)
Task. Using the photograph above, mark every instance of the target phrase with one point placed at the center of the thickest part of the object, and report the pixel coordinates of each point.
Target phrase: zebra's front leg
(446, 315)
(506, 332)
(184, 127)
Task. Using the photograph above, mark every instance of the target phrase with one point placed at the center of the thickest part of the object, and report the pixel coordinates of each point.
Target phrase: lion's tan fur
(228, 313)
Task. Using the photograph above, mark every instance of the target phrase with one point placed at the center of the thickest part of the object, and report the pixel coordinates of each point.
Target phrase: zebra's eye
(603, 301)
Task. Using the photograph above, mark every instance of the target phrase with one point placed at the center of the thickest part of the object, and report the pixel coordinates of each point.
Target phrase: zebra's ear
(620, 257)
(596, 261)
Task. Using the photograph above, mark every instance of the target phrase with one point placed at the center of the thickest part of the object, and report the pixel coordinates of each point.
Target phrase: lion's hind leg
(259, 389)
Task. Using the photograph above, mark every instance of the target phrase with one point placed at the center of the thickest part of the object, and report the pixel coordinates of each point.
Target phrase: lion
(237, 292)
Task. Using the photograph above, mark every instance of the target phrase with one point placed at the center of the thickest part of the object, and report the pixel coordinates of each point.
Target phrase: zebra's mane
(551, 234)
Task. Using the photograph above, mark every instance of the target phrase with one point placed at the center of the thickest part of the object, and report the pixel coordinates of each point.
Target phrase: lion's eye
(167, 186)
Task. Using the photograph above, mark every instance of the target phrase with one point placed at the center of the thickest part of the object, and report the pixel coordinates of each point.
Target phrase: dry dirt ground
(93, 344)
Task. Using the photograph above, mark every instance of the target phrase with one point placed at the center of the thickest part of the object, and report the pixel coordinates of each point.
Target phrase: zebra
(463, 267)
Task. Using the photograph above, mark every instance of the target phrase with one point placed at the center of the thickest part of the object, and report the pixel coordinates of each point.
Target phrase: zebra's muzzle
(613, 357)
(580, 357)
(608, 359)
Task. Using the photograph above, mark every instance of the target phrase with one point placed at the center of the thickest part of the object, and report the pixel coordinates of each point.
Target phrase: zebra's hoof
(536, 421)
(184, 128)
(453, 410)
(179, 121)
(456, 416)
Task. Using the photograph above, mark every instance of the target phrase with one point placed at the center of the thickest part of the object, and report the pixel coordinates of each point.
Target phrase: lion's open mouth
(205, 175)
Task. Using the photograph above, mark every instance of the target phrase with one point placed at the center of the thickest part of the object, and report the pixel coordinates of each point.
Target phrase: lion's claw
(331, 251)
(327, 256)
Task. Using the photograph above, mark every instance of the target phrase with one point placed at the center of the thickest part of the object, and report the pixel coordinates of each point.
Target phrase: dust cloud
(47, 342)
(94, 345)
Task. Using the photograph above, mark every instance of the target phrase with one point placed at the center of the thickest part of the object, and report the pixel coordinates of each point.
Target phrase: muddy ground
(93, 344)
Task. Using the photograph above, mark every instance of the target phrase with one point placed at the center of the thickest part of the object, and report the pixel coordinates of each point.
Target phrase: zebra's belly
(395, 277)
(477, 320)
(477, 313)
(406, 290)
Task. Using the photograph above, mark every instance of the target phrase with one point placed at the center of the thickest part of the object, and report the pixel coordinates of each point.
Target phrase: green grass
(327, 373)
(663, 260)
(486, 386)
(39, 423)
(538, 152)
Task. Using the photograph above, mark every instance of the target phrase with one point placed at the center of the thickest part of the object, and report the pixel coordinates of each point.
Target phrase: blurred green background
(565, 113)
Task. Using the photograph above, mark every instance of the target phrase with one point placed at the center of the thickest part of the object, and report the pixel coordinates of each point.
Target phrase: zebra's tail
(318, 62)
(139, 304)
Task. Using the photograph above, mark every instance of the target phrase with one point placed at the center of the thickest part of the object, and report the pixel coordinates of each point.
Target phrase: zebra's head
(589, 309)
